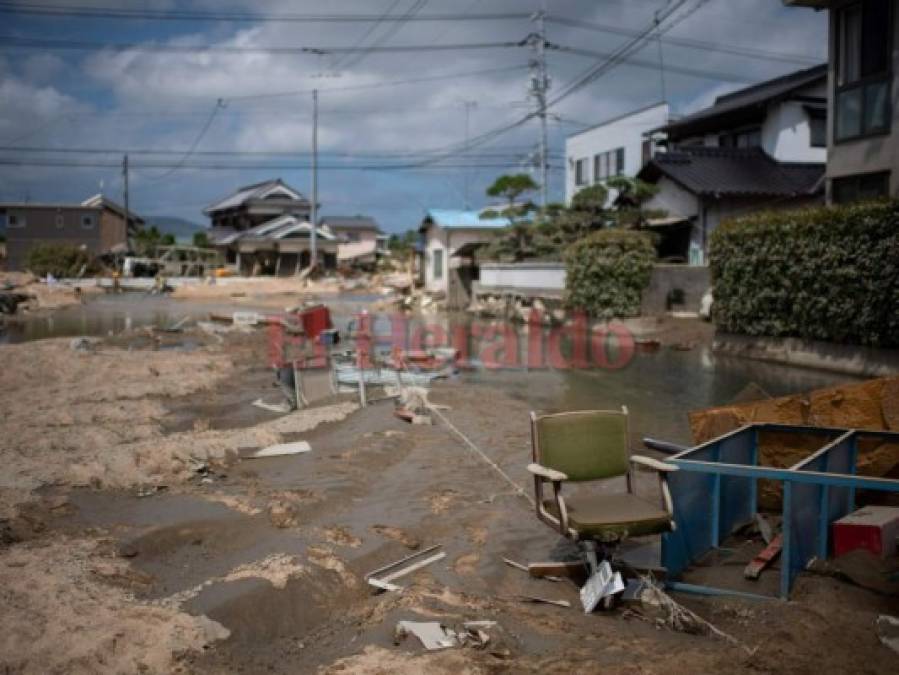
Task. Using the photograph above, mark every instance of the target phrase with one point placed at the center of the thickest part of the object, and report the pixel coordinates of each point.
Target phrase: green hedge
(821, 274)
(607, 271)
(60, 260)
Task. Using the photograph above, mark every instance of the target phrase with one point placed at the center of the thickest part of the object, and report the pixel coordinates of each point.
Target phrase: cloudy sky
(385, 117)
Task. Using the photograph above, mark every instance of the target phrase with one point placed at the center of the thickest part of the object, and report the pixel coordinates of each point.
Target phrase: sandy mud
(133, 537)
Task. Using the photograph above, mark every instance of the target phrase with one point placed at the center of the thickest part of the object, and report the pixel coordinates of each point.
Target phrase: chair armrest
(546, 472)
(655, 464)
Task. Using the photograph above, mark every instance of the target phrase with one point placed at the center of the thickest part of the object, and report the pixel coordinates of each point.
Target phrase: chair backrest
(585, 445)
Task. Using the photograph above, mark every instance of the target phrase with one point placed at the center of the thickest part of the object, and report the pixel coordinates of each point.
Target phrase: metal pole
(468, 106)
(540, 84)
(125, 190)
(313, 247)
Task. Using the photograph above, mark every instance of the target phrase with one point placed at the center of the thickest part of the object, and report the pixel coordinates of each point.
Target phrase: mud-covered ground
(133, 538)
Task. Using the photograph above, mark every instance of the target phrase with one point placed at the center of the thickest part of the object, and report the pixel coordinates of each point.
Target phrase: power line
(17, 42)
(389, 33)
(500, 152)
(378, 85)
(58, 163)
(749, 52)
(193, 146)
(669, 67)
(590, 75)
(371, 29)
(192, 15)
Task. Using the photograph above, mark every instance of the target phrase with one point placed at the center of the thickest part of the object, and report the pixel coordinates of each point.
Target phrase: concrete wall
(547, 279)
(59, 225)
(868, 155)
(525, 276)
(625, 131)
(694, 281)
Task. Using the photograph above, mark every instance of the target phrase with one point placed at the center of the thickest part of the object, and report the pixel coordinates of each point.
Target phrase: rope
(520, 491)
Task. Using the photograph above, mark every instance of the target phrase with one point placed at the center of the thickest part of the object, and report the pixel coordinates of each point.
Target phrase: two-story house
(264, 228)
(97, 225)
(616, 147)
(762, 147)
(863, 98)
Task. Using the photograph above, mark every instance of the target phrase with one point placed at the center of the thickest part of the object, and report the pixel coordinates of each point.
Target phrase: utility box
(875, 528)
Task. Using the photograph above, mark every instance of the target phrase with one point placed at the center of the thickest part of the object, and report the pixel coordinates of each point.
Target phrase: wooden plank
(766, 557)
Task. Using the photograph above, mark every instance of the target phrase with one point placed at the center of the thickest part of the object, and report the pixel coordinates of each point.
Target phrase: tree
(510, 187)
(201, 240)
(633, 193)
(401, 244)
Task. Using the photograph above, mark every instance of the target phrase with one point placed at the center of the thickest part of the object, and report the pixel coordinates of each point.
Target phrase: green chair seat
(611, 517)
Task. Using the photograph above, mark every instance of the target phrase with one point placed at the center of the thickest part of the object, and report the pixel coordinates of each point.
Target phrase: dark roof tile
(734, 172)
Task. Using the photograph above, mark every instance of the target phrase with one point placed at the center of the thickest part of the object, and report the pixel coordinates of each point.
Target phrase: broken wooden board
(766, 557)
(276, 450)
(544, 601)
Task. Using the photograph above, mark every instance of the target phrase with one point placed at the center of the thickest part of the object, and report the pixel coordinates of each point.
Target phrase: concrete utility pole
(469, 105)
(313, 244)
(125, 189)
(539, 87)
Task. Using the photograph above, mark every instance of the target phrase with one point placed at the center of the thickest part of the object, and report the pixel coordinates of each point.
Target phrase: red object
(766, 557)
(315, 320)
(874, 528)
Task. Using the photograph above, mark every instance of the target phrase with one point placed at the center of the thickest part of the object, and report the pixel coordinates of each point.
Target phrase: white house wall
(447, 241)
(786, 133)
(673, 199)
(623, 132)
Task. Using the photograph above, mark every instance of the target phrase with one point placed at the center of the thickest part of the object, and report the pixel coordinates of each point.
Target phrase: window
(87, 221)
(15, 220)
(645, 151)
(438, 263)
(608, 164)
(817, 121)
(862, 96)
(860, 188)
(746, 138)
(580, 171)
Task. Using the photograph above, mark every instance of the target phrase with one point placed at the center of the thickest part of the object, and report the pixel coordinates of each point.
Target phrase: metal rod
(397, 563)
(313, 243)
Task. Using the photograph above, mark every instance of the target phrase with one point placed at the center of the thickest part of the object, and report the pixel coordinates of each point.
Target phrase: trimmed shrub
(607, 271)
(60, 260)
(820, 274)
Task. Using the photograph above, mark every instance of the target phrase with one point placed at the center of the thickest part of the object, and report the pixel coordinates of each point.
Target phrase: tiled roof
(731, 171)
(247, 192)
(350, 222)
(276, 228)
(756, 95)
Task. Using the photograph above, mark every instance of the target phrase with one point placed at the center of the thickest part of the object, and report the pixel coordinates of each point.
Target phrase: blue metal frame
(716, 490)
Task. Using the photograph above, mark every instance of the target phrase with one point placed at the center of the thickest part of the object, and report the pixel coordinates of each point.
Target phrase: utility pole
(539, 87)
(313, 244)
(469, 105)
(125, 189)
